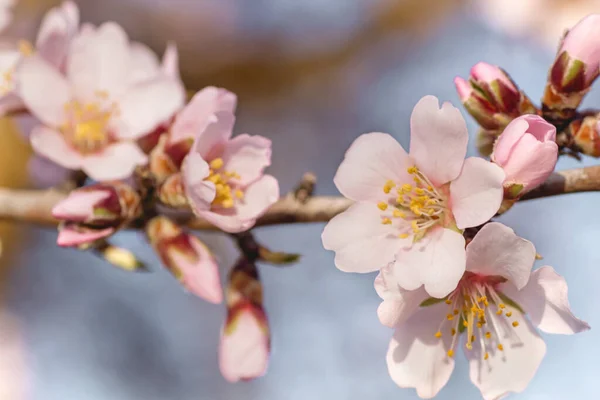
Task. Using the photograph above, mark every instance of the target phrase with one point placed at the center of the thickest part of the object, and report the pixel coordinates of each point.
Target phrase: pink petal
(170, 62)
(52, 145)
(117, 161)
(217, 132)
(508, 139)
(497, 251)
(463, 88)
(69, 237)
(372, 160)
(477, 193)
(10, 102)
(79, 205)
(144, 63)
(99, 60)
(147, 105)
(43, 90)
(244, 347)
(202, 277)
(438, 139)
(509, 370)
(195, 117)
(416, 358)
(437, 261)
(45, 173)
(580, 43)
(258, 198)
(56, 30)
(248, 156)
(531, 162)
(200, 193)
(360, 241)
(545, 300)
(398, 304)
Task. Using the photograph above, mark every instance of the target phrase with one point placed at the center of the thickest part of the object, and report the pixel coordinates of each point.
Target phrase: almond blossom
(411, 208)
(57, 29)
(492, 314)
(224, 177)
(527, 152)
(92, 116)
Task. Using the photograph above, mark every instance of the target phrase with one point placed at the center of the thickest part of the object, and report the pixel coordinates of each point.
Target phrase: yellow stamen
(501, 305)
(509, 314)
(453, 332)
(515, 324)
(450, 317)
(500, 347)
(448, 301)
(388, 186)
(438, 334)
(403, 235)
(382, 205)
(398, 214)
(386, 221)
(217, 163)
(486, 355)
(488, 335)
(450, 353)
(25, 48)
(412, 170)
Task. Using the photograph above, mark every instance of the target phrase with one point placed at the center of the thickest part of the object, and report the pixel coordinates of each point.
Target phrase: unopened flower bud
(586, 134)
(575, 68)
(491, 97)
(245, 338)
(527, 151)
(172, 193)
(95, 212)
(186, 257)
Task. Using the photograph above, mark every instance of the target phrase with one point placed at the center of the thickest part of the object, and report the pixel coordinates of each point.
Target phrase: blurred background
(311, 75)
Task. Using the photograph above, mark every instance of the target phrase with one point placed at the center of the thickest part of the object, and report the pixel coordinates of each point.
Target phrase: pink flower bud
(527, 152)
(187, 258)
(94, 212)
(491, 97)
(245, 339)
(578, 61)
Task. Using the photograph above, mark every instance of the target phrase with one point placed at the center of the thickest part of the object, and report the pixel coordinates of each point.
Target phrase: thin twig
(35, 206)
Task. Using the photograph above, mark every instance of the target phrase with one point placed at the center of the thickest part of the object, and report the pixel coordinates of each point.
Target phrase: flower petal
(79, 205)
(193, 119)
(144, 63)
(372, 160)
(213, 137)
(248, 156)
(477, 193)
(437, 261)
(258, 198)
(360, 241)
(245, 344)
(201, 277)
(545, 300)
(398, 304)
(531, 162)
(170, 62)
(200, 192)
(55, 33)
(52, 145)
(438, 139)
(43, 90)
(99, 60)
(147, 105)
(71, 235)
(45, 173)
(416, 358)
(117, 161)
(496, 250)
(509, 370)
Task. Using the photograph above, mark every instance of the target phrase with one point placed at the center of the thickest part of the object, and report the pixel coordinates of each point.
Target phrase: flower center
(469, 310)
(420, 203)
(227, 192)
(86, 126)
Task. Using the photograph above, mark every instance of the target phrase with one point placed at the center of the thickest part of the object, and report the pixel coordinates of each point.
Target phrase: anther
(450, 353)
(515, 324)
(382, 205)
(486, 355)
(488, 335)
(412, 170)
(438, 334)
(500, 347)
(509, 314)
(403, 235)
(217, 163)
(386, 221)
(398, 214)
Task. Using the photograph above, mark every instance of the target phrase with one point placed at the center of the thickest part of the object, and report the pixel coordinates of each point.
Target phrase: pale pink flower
(224, 177)
(527, 151)
(187, 258)
(57, 29)
(6, 13)
(245, 343)
(93, 115)
(493, 311)
(411, 208)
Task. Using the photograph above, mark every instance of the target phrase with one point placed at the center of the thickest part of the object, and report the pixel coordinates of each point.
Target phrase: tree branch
(35, 206)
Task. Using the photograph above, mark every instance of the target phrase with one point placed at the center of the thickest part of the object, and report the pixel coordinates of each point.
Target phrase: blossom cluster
(449, 276)
(107, 109)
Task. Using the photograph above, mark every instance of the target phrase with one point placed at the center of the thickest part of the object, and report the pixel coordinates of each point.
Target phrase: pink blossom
(411, 209)
(494, 311)
(57, 29)
(95, 212)
(187, 258)
(581, 45)
(527, 152)
(93, 115)
(245, 343)
(224, 177)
